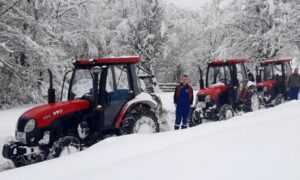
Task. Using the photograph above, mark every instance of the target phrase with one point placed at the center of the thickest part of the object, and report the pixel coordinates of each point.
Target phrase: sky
(188, 3)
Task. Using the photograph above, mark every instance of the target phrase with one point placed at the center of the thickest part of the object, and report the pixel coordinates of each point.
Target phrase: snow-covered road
(261, 145)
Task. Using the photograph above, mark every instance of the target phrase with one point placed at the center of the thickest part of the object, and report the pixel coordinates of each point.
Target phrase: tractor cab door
(288, 70)
(117, 93)
(84, 85)
(239, 79)
(282, 72)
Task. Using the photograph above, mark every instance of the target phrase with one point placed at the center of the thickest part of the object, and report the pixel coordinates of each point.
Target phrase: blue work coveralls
(183, 98)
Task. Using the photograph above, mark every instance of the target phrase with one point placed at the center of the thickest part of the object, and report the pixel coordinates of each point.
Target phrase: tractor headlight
(30, 125)
(207, 99)
(265, 89)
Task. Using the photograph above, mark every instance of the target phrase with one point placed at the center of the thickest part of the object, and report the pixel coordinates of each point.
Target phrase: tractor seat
(118, 95)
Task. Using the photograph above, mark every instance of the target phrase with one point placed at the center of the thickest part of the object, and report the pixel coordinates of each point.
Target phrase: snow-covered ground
(263, 145)
(8, 120)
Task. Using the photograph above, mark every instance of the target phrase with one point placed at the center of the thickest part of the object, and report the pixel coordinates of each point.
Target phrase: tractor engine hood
(46, 114)
(269, 84)
(213, 90)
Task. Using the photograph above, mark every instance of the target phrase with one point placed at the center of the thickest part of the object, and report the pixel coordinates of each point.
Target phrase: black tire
(252, 102)
(129, 123)
(21, 162)
(226, 112)
(18, 164)
(279, 99)
(18, 160)
(195, 119)
(63, 144)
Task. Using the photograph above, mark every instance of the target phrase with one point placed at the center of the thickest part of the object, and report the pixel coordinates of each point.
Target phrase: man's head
(296, 71)
(184, 79)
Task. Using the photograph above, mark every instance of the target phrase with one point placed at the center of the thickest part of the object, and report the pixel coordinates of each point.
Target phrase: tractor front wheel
(65, 146)
(139, 121)
(195, 118)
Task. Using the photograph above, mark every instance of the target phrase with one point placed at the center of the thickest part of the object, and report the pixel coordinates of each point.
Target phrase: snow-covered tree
(257, 29)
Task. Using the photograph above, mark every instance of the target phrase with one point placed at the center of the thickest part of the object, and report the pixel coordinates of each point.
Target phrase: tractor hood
(269, 84)
(46, 114)
(213, 90)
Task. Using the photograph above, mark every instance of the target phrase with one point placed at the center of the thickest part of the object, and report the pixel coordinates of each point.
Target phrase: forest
(39, 34)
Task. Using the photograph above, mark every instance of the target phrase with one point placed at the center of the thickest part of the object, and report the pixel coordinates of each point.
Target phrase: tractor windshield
(82, 83)
(272, 71)
(217, 75)
(267, 72)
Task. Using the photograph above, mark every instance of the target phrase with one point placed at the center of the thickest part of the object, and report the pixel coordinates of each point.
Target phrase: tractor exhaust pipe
(201, 81)
(51, 90)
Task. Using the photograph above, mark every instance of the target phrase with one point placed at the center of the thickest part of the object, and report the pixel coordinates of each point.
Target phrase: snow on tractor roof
(227, 61)
(276, 61)
(111, 60)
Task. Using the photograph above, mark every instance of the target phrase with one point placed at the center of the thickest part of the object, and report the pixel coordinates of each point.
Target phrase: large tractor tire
(252, 102)
(226, 112)
(65, 146)
(140, 120)
(279, 99)
(195, 118)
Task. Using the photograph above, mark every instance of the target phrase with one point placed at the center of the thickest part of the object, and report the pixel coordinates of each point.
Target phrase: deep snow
(261, 145)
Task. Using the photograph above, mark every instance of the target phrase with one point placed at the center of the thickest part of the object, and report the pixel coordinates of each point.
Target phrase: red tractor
(104, 99)
(227, 90)
(272, 77)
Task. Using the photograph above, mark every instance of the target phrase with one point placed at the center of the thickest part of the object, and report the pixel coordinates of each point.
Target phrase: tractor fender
(250, 86)
(143, 99)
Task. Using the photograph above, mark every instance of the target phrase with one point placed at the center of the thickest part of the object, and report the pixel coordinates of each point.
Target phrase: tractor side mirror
(51, 90)
(201, 82)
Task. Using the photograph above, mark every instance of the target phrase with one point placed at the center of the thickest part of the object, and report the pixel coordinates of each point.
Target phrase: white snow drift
(261, 145)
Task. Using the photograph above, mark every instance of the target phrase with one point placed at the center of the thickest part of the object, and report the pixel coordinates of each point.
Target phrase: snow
(141, 97)
(8, 120)
(260, 145)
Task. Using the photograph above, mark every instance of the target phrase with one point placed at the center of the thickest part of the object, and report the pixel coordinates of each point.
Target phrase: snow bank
(8, 121)
(260, 145)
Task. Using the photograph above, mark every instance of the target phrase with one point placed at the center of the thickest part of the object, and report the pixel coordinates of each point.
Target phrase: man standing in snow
(183, 99)
(294, 84)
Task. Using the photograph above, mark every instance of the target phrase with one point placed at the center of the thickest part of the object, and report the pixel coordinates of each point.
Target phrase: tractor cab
(106, 83)
(227, 75)
(104, 99)
(272, 77)
(226, 90)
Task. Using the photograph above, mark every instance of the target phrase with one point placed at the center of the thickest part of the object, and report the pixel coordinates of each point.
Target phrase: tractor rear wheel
(252, 101)
(226, 112)
(279, 99)
(140, 120)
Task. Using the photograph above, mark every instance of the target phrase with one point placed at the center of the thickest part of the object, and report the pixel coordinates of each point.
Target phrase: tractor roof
(108, 61)
(275, 61)
(228, 61)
